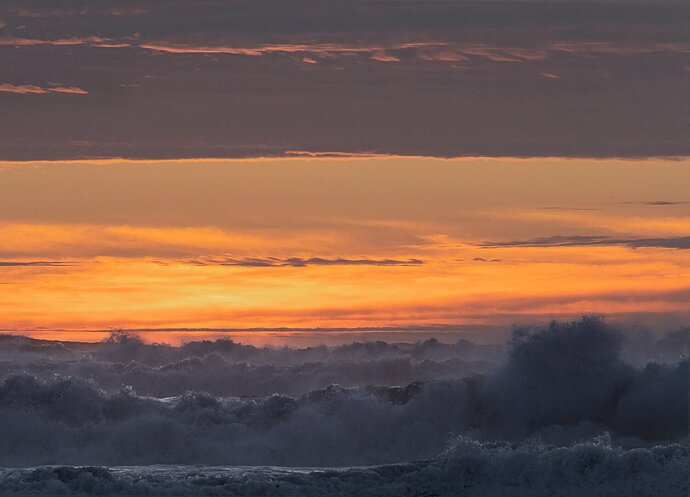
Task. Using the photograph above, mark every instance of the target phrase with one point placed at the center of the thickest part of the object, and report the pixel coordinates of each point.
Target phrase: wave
(468, 468)
(125, 348)
(562, 384)
(223, 368)
(217, 376)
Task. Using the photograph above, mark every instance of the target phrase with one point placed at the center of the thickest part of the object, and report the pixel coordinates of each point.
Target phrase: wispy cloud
(34, 89)
(421, 49)
(434, 46)
(95, 41)
(298, 262)
(34, 264)
(21, 89)
(550, 75)
(68, 89)
(560, 208)
(680, 242)
(658, 203)
(78, 9)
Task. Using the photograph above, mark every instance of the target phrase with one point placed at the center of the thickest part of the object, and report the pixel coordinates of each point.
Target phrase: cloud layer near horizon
(678, 242)
(238, 79)
(341, 242)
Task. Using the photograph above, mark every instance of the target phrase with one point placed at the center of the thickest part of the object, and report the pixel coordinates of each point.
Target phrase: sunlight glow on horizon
(328, 242)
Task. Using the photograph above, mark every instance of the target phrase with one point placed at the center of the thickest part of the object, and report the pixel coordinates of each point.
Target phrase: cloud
(299, 262)
(249, 60)
(68, 89)
(59, 42)
(38, 10)
(559, 208)
(438, 51)
(550, 75)
(383, 57)
(33, 89)
(680, 242)
(34, 264)
(658, 203)
(519, 31)
(21, 89)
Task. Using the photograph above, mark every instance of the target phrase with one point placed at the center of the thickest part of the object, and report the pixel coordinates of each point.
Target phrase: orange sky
(341, 242)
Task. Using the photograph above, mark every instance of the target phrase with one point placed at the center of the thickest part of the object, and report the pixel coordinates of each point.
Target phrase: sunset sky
(195, 164)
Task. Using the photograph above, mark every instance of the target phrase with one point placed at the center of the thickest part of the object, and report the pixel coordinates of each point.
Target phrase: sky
(342, 242)
(209, 78)
(345, 164)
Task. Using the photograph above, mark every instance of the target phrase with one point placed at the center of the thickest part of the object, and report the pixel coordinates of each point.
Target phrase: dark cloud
(298, 262)
(559, 208)
(679, 242)
(34, 264)
(658, 203)
(168, 79)
(238, 23)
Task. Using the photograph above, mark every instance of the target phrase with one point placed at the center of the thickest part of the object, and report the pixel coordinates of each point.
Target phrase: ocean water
(466, 468)
(573, 409)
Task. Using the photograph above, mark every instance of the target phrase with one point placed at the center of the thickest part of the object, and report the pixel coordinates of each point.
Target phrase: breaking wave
(223, 368)
(468, 467)
(561, 384)
(569, 409)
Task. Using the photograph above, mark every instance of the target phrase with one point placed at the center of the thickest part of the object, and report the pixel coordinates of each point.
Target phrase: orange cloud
(383, 57)
(427, 50)
(27, 42)
(68, 89)
(33, 89)
(21, 89)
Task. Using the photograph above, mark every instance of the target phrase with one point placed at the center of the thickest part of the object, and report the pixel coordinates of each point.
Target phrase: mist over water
(576, 403)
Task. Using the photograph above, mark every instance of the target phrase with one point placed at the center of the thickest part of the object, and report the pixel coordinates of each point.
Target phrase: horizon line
(334, 157)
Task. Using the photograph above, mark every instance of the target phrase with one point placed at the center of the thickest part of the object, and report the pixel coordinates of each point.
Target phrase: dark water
(571, 409)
